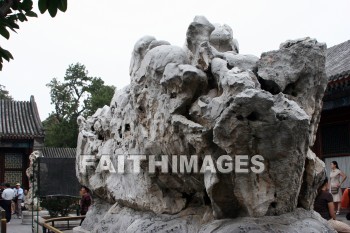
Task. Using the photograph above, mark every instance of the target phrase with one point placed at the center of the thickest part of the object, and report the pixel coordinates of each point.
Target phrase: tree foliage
(12, 11)
(78, 94)
(4, 94)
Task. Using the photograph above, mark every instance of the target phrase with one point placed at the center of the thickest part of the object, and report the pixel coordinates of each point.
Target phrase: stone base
(197, 220)
(27, 216)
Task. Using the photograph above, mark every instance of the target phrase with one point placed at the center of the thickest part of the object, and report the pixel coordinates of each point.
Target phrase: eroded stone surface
(206, 99)
(31, 202)
(126, 220)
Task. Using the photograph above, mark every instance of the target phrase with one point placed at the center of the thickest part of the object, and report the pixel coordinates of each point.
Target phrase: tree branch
(4, 9)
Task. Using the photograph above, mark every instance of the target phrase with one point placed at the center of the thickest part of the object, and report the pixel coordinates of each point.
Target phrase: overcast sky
(101, 35)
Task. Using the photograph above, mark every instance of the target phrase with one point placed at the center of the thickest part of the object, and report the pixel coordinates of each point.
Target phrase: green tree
(78, 94)
(60, 132)
(100, 95)
(12, 11)
(4, 94)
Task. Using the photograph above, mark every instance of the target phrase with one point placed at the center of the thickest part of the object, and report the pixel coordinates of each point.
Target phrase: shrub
(59, 205)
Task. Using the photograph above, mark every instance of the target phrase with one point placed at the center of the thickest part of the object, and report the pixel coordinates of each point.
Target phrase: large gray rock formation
(206, 99)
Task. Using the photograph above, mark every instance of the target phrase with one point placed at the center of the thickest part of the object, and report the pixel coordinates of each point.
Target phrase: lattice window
(13, 160)
(13, 177)
(336, 139)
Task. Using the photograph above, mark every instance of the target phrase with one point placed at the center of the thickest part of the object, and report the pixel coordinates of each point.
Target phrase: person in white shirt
(18, 199)
(7, 196)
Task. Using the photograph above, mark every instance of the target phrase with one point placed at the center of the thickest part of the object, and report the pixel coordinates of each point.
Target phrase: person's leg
(16, 207)
(19, 208)
(7, 205)
(336, 206)
(339, 226)
(82, 220)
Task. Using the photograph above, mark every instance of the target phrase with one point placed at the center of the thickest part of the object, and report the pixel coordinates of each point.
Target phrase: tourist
(7, 196)
(19, 194)
(335, 184)
(85, 201)
(325, 207)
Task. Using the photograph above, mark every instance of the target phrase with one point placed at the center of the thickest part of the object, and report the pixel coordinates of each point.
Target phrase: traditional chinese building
(333, 136)
(21, 132)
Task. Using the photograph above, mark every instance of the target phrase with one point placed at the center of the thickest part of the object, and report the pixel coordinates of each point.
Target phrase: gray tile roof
(54, 152)
(20, 120)
(338, 60)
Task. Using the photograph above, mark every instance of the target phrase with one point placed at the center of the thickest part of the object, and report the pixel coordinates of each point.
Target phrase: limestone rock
(297, 71)
(198, 33)
(313, 175)
(222, 39)
(141, 47)
(31, 202)
(242, 61)
(199, 220)
(207, 100)
(205, 41)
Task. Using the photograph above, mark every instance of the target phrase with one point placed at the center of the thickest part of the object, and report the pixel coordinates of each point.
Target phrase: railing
(50, 228)
(46, 224)
(3, 220)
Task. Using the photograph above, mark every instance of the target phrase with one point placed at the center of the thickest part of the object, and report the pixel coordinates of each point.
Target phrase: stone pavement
(16, 226)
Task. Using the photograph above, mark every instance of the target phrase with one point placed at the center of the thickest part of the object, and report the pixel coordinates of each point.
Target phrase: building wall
(13, 165)
(14, 160)
(333, 136)
(333, 139)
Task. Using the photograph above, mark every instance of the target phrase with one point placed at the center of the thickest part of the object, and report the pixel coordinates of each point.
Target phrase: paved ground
(16, 225)
(342, 218)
